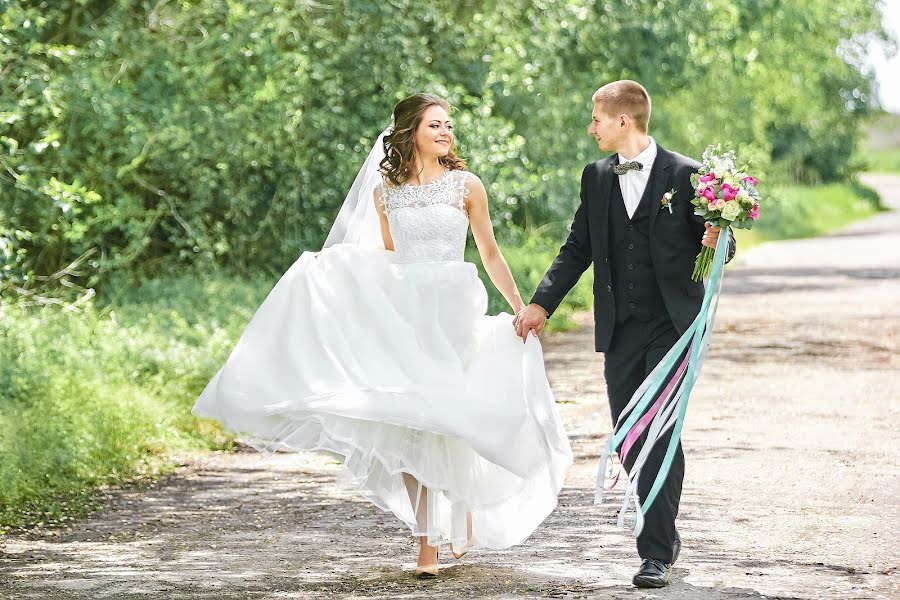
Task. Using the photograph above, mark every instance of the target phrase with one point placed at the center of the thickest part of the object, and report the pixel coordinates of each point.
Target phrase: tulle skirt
(439, 413)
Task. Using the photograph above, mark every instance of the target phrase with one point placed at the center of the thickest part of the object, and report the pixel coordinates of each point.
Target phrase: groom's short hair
(625, 97)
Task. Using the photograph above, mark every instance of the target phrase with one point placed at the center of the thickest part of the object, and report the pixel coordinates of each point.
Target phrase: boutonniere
(667, 199)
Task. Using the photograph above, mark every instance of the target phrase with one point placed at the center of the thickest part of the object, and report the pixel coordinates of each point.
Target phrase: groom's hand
(531, 318)
(710, 236)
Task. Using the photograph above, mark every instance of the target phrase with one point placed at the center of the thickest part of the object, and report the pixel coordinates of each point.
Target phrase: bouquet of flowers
(726, 196)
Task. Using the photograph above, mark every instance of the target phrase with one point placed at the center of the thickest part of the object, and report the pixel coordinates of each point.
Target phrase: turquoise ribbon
(670, 415)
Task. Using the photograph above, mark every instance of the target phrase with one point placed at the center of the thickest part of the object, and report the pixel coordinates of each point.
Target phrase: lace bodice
(428, 222)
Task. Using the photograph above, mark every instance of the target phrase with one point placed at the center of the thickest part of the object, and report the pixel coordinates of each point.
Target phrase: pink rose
(751, 180)
(754, 212)
(709, 193)
(729, 193)
(716, 204)
(708, 177)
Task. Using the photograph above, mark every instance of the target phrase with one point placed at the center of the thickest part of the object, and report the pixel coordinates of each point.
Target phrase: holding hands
(531, 318)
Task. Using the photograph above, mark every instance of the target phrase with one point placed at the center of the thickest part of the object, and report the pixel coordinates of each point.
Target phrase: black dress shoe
(652, 574)
(676, 547)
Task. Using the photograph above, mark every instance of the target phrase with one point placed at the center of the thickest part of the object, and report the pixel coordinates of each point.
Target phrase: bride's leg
(468, 543)
(418, 497)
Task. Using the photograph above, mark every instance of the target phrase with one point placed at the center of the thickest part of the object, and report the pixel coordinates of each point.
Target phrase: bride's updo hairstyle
(399, 145)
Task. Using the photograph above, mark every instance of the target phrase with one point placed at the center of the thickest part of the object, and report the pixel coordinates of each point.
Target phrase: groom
(643, 250)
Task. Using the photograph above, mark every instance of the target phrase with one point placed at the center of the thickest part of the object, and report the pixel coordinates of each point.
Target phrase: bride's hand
(531, 318)
(515, 321)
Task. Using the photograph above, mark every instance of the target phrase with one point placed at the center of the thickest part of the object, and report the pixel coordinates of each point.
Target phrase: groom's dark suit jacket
(674, 244)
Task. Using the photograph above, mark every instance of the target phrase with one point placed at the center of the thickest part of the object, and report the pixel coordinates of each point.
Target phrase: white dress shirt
(633, 183)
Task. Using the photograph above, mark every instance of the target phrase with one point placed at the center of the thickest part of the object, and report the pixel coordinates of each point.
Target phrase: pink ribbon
(644, 421)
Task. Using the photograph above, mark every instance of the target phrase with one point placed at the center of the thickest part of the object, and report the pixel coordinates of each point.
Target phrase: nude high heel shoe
(465, 549)
(428, 571)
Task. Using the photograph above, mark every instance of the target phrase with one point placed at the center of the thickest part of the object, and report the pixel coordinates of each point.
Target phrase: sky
(888, 70)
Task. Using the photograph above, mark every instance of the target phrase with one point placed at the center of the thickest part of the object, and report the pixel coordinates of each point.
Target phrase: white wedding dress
(387, 359)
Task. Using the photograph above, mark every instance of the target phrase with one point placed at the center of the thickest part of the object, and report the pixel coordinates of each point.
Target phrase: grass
(883, 161)
(881, 150)
(105, 396)
(797, 211)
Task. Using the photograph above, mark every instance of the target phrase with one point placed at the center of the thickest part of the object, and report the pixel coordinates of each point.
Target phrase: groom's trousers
(636, 348)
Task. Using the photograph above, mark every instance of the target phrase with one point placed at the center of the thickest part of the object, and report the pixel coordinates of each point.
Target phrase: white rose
(731, 210)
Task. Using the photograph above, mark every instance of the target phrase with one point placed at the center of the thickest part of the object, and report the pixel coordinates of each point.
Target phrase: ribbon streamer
(660, 402)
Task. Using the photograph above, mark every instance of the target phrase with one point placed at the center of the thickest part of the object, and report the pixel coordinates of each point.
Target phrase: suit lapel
(604, 191)
(656, 185)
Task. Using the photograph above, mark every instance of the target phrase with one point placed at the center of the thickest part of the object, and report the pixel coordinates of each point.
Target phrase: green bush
(143, 138)
(797, 211)
(104, 396)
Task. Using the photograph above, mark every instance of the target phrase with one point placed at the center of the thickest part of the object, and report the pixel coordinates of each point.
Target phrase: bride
(377, 349)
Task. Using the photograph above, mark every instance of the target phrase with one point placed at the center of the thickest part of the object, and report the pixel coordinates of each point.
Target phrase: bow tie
(622, 168)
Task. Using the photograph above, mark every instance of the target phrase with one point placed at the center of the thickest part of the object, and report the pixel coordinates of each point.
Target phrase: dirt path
(791, 488)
